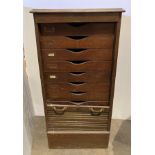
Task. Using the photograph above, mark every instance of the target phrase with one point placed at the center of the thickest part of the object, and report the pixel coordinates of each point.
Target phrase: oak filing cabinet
(77, 54)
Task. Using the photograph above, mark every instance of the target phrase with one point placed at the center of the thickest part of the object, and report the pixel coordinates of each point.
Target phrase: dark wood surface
(77, 54)
(78, 140)
(89, 77)
(76, 29)
(78, 66)
(57, 42)
(77, 17)
(88, 92)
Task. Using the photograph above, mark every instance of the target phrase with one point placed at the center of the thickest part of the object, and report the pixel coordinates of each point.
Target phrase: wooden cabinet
(77, 53)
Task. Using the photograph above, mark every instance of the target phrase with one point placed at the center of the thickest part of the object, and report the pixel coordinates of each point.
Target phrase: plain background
(143, 75)
(121, 108)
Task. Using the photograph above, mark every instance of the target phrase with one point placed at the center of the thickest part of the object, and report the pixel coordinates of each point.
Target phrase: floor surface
(119, 141)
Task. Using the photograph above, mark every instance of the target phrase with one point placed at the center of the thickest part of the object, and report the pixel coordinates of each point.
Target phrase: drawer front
(89, 77)
(50, 55)
(76, 28)
(89, 96)
(61, 118)
(78, 92)
(96, 41)
(78, 86)
(78, 66)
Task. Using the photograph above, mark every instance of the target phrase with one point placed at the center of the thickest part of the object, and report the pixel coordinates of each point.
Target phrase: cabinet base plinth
(78, 140)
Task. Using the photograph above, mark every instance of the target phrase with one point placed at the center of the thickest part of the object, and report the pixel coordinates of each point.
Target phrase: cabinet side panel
(114, 65)
(37, 33)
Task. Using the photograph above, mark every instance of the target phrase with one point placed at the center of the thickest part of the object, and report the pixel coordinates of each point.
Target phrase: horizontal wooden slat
(77, 17)
(98, 41)
(87, 92)
(89, 77)
(76, 29)
(49, 55)
(67, 66)
(73, 120)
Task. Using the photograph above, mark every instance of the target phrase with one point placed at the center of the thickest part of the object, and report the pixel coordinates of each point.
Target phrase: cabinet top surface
(99, 10)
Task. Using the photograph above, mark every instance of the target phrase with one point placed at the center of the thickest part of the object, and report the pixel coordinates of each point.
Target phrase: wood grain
(50, 55)
(103, 41)
(78, 140)
(84, 92)
(89, 77)
(52, 29)
(71, 66)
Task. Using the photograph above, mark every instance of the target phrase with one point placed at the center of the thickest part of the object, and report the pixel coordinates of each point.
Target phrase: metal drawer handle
(59, 110)
(51, 54)
(52, 76)
(95, 111)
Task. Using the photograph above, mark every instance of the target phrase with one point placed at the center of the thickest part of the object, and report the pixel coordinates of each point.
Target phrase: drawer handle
(78, 102)
(59, 110)
(77, 73)
(52, 76)
(78, 62)
(96, 111)
(76, 83)
(51, 54)
(76, 37)
(76, 50)
(78, 93)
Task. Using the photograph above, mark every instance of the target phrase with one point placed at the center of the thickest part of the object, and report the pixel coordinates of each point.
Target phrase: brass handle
(52, 76)
(51, 54)
(95, 111)
(59, 110)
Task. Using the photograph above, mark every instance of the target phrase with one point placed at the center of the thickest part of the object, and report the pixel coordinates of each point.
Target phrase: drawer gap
(77, 73)
(77, 83)
(78, 102)
(76, 49)
(76, 24)
(77, 92)
(77, 37)
(78, 61)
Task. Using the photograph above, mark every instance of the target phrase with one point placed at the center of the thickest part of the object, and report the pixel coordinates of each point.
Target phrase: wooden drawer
(76, 28)
(89, 77)
(96, 41)
(50, 55)
(78, 92)
(78, 66)
(73, 118)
